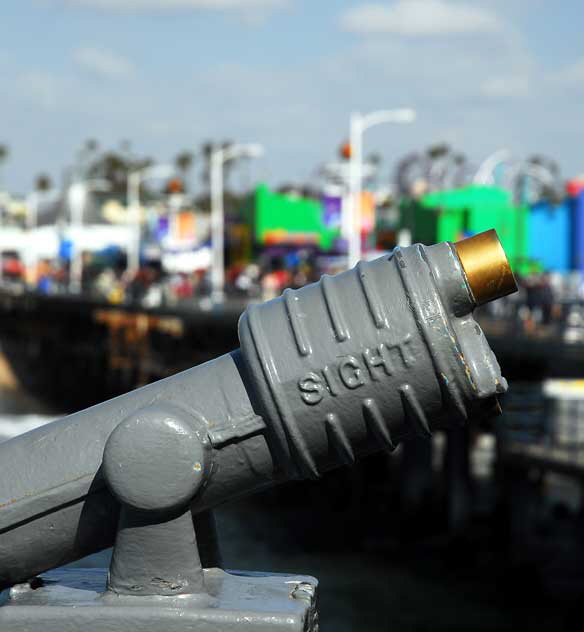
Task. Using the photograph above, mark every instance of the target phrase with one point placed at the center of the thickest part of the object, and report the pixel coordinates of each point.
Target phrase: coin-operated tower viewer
(352, 364)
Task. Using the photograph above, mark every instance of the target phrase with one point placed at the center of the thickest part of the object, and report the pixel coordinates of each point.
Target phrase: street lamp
(135, 179)
(219, 156)
(359, 124)
(31, 221)
(76, 199)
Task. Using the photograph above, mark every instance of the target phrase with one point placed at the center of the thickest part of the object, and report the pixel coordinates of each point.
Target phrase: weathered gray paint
(326, 374)
(156, 459)
(73, 600)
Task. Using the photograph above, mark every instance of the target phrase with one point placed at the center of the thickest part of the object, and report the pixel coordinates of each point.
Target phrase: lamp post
(76, 196)
(359, 124)
(219, 156)
(135, 179)
(76, 199)
(32, 212)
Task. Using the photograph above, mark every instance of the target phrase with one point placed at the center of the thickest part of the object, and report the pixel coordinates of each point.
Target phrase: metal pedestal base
(75, 600)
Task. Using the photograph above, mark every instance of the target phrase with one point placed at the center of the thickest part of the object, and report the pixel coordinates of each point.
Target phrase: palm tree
(4, 151)
(114, 167)
(43, 183)
(184, 163)
(85, 156)
(206, 151)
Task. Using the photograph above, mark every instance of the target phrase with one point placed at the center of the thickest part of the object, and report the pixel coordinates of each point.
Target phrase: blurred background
(165, 162)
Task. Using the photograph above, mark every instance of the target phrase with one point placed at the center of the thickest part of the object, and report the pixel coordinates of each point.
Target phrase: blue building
(549, 239)
(576, 236)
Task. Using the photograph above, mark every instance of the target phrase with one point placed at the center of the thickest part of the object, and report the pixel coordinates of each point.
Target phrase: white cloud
(469, 93)
(572, 74)
(102, 62)
(506, 86)
(420, 18)
(174, 5)
(39, 87)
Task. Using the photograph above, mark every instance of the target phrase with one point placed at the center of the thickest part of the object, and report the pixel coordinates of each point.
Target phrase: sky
(168, 75)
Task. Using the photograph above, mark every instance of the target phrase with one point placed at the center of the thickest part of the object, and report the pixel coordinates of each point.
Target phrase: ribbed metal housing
(365, 359)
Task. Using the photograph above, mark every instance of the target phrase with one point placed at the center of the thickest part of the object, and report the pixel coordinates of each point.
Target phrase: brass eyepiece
(486, 267)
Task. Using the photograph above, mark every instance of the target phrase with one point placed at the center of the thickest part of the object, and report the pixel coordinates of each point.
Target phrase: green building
(453, 214)
(431, 223)
(279, 218)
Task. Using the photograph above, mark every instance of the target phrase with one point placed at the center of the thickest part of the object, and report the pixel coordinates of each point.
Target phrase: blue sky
(170, 74)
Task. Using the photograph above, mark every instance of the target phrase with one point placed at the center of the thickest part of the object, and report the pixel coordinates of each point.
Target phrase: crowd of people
(543, 299)
(105, 277)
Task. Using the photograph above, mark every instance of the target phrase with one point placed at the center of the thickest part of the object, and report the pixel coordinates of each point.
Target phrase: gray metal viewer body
(352, 364)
